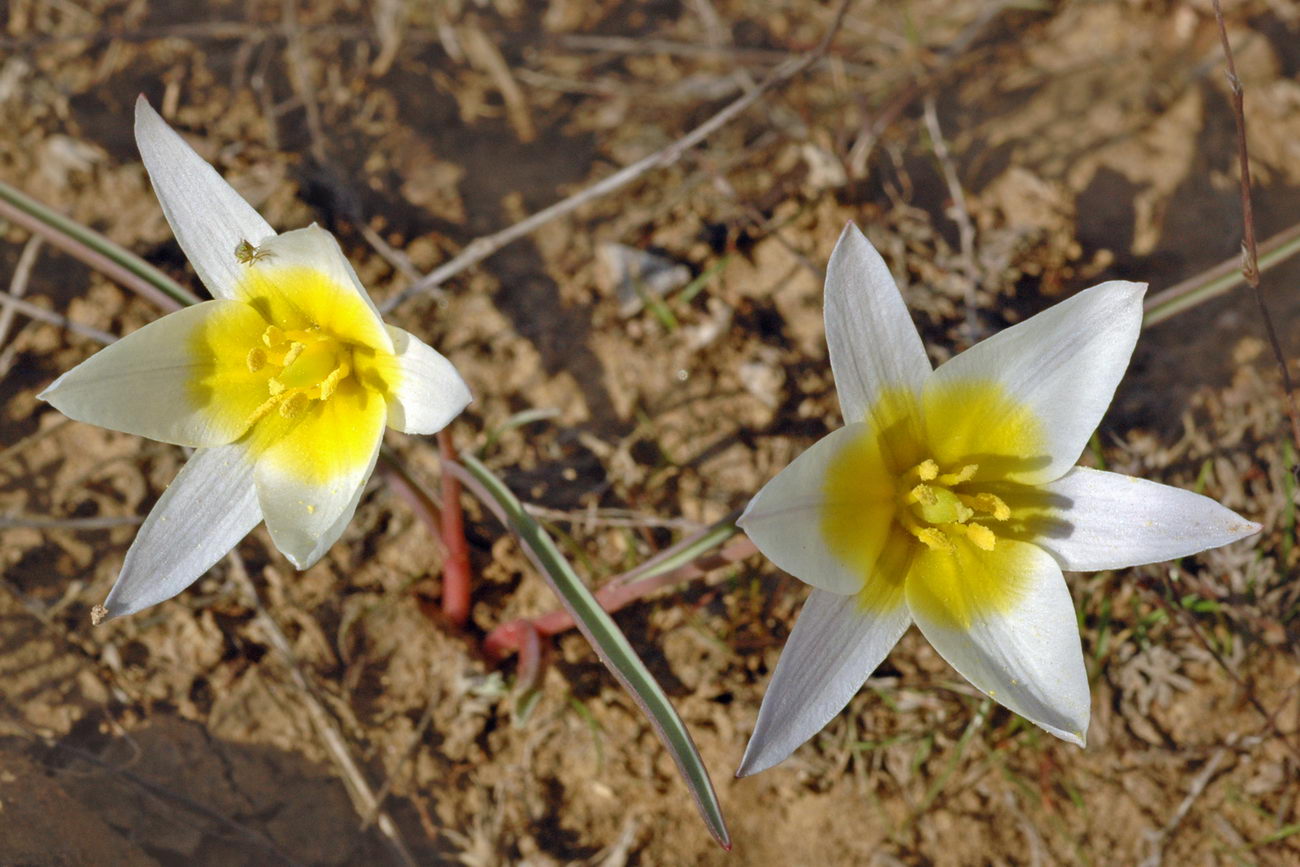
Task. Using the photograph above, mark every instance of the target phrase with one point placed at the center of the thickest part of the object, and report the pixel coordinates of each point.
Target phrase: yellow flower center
(930, 501)
(297, 366)
(936, 507)
(305, 365)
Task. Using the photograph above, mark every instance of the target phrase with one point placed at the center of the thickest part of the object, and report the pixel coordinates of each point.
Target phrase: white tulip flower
(950, 499)
(283, 383)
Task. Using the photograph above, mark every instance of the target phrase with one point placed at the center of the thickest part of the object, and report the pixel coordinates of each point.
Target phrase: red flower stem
(511, 636)
(455, 571)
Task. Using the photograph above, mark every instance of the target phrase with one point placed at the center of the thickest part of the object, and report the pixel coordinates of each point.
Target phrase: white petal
(787, 518)
(873, 344)
(1025, 656)
(429, 392)
(144, 384)
(313, 247)
(1098, 520)
(1061, 365)
(209, 218)
(208, 508)
(310, 480)
(833, 649)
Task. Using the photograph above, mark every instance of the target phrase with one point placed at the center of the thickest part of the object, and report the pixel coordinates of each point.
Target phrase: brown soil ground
(1080, 141)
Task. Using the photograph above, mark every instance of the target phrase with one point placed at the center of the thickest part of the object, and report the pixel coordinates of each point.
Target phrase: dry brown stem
(1249, 251)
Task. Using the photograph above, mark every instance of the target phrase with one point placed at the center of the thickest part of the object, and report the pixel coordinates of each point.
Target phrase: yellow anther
(934, 539)
(256, 359)
(927, 470)
(272, 337)
(295, 350)
(266, 406)
(937, 514)
(965, 474)
(274, 386)
(331, 382)
(989, 504)
(294, 405)
(923, 494)
(980, 536)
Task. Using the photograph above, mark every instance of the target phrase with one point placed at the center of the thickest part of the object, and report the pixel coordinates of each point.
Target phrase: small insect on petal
(290, 329)
(247, 254)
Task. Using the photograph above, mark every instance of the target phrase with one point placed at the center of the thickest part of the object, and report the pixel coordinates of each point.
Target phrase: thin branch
(18, 284)
(481, 248)
(1199, 782)
(407, 753)
(1218, 280)
(31, 311)
(106, 522)
(1250, 255)
(961, 212)
(363, 797)
(94, 250)
(875, 127)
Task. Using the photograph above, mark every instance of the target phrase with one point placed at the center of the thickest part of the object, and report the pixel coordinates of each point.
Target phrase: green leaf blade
(609, 642)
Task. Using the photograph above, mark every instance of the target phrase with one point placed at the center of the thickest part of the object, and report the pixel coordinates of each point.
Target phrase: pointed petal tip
(1077, 734)
(751, 764)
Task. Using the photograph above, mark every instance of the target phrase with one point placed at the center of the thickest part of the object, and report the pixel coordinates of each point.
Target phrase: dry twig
(18, 284)
(480, 248)
(40, 314)
(1194, 790)
(363, 797)
(1249, 252)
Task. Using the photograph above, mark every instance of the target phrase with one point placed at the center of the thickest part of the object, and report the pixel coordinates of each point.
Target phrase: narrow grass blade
(686, 551)
(93, 249)
(606, 638)
(1218, 280)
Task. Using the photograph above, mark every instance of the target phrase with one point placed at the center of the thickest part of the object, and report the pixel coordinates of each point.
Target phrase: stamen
(256, 359)
(980, 536)
(295, 350)
(937, 515)
(294, 405)
(931, 536)
(331, 382)
(989, 504)
(927, 470)
(266, 406)
(922, 494)
(965, 474)
(307, 364)
(935, 539)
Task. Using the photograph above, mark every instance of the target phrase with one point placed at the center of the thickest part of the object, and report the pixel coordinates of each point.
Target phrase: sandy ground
(1000, 158)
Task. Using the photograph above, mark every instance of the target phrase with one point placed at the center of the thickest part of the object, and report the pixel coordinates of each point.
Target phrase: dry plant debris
(1087, 141)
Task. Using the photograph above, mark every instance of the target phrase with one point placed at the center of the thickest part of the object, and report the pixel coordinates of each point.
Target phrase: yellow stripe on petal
(858, 506)
(229, 383)
(299, 297)
(319, 442)
(885, 589)
(955, 588)
(860, 495)
(979, 422)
